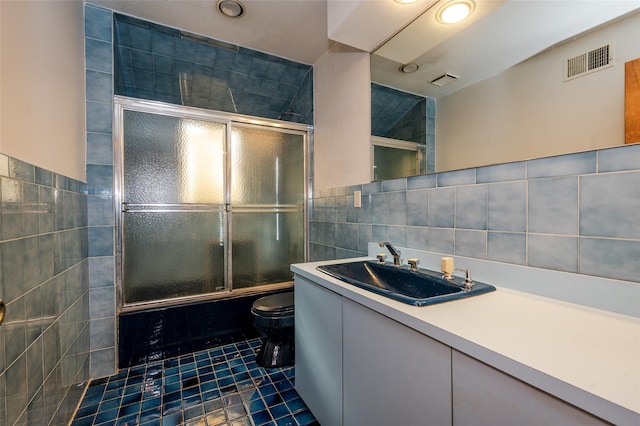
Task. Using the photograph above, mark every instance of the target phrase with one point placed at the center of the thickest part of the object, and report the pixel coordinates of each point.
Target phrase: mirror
(506, 98)
(402, 137)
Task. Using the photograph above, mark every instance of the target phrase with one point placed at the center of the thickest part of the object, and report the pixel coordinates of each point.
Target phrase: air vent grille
(586, 63)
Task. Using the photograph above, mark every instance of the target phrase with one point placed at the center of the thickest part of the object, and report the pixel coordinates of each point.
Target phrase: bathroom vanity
(505, 357)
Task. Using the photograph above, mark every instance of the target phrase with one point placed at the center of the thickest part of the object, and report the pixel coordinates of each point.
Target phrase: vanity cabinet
(393, 375)
(318, 343)
(355, 366)
(483, 395)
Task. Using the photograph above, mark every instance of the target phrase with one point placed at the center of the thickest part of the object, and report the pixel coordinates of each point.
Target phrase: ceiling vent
(586, 63)
(444, 79)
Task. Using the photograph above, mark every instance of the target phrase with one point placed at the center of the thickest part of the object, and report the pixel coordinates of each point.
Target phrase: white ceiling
(500, 34)
(292, 29)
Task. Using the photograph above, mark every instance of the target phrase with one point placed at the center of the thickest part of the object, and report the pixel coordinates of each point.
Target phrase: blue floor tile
(217, 386)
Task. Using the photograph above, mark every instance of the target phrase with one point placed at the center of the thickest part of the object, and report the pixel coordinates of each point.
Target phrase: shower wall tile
(101, 239)
(103, 362)
(100, 33)
(585, 223)
(44, 287)
(101, 271)
(100, 210)
(165, 64)
(100, 179)
(102, 334)
(102, 302)
(98, 24)
(98, 55)
(99, 86)
(99, 117)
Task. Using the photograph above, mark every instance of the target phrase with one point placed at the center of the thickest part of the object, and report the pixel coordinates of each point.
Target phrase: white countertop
(587, 357)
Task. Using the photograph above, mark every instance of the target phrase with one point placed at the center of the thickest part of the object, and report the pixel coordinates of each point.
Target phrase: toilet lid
(280, 303)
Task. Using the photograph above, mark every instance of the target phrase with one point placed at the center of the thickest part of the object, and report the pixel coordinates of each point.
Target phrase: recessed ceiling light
(455, 11)
(409, 68)
(406, 1)
(230, 8)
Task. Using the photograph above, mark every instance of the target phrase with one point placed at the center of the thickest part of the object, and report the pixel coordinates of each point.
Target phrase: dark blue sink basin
(419, 288)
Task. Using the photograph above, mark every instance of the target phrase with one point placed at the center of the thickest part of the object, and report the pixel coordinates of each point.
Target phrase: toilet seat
(275, 305)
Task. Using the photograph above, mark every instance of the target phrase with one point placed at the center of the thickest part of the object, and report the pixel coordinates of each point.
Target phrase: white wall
(342, 124)
(42, 105)
(528, 111)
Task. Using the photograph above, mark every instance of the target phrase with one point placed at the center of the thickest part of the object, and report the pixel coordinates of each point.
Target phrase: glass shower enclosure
(210, 204)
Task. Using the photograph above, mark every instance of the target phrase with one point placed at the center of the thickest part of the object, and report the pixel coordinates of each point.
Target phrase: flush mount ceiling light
(406, 1)
(455, 11)
(230, 8)
(409, 68)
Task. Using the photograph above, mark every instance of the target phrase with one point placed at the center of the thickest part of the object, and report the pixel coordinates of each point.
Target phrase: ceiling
(500, 33)
(292, 29)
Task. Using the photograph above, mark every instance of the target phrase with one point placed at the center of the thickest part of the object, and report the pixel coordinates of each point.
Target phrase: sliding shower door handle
(3, 309)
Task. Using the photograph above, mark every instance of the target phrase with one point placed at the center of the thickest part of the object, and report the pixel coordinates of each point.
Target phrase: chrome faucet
(394, 252)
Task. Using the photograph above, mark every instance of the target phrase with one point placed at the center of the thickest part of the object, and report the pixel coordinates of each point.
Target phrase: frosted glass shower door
(267, 205)
(173, 207)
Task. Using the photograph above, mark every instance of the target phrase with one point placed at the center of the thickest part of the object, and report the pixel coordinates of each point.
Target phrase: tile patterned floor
(219, 386)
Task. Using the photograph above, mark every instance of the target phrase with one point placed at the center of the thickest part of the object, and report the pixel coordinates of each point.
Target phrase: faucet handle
(413, 263)
(468, 283)
(381, 257)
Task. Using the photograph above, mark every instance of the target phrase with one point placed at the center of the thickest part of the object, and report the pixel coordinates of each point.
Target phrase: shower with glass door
(209, 204)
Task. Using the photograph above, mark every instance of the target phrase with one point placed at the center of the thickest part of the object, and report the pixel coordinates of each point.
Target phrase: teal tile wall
(159, 54)
(100, 210)
(170, 65)
(574, 213)
(44, 282)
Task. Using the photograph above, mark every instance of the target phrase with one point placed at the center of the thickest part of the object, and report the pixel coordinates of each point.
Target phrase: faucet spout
(394, 252)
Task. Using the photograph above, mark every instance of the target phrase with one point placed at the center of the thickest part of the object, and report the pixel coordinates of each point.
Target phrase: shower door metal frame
(122, 103)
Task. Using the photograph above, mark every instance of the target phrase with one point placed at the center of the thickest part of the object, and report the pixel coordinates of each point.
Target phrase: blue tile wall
(44, 341)
(165, 64)
(573, 213)
(131, 57)
(100, 216)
